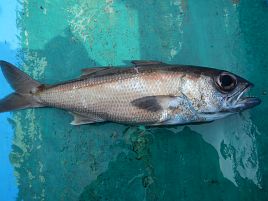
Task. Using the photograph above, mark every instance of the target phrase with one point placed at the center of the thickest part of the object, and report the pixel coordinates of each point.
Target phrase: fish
(149, 93)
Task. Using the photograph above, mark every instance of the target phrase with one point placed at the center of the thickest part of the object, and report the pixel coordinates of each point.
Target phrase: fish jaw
(238, 102)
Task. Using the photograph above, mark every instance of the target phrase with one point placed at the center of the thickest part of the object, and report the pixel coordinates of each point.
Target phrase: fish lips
(249, 102)
(240, 102)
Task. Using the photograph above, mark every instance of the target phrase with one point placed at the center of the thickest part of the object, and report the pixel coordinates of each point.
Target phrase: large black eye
(226, 82)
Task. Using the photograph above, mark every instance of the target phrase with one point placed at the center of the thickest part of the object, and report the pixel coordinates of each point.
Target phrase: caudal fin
(24, 87)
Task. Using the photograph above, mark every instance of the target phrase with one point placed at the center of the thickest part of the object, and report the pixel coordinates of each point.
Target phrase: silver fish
(149, 93)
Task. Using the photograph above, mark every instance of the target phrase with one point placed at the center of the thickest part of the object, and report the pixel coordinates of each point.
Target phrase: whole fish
(148, 93)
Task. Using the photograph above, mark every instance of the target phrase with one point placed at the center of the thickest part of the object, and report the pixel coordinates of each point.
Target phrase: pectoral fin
(158, 103)
(80, 119)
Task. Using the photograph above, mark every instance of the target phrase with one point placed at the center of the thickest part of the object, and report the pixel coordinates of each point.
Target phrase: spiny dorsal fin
(80, 119)
(146, 63)
(89, 71)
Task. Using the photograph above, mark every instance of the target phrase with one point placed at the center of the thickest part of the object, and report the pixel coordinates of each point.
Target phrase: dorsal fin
(146, 63)
(96, 71)
(89, 71)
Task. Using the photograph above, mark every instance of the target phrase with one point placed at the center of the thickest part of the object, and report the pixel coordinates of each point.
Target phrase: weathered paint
(222, 160)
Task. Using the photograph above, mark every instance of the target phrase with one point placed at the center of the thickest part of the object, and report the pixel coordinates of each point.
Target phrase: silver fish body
(150, 93)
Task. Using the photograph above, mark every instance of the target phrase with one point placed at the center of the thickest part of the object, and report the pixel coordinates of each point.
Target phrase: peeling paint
(173, 52)
(109, 6)
(26, 38)
(84, 20)
(226, 18)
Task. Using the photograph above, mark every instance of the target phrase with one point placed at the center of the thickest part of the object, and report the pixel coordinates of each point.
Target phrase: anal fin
(80, 119)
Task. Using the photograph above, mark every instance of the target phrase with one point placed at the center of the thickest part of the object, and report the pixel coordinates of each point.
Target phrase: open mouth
(241, 102)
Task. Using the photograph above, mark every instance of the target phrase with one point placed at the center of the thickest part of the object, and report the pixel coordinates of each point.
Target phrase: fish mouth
(240, 102)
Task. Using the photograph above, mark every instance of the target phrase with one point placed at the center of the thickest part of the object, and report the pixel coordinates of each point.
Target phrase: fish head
(224, 94)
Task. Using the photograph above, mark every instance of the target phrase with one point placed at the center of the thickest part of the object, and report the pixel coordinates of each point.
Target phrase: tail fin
(23, 85)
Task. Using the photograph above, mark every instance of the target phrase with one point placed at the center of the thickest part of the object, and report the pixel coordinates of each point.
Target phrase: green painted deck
(223, 160)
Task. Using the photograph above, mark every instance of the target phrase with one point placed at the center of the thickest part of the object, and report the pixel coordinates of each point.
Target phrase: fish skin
(150, 93)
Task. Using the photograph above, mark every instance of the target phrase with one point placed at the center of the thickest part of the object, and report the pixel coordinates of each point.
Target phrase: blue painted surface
(8, 50)
(224, 160)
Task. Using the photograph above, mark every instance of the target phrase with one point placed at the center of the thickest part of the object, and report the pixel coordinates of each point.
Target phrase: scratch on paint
(46, 2)
(26, 7)
(226, 18)
(135, 177)
(45, 11)
(182, 7)
(26, 38)
(173, 52)
(181, 4)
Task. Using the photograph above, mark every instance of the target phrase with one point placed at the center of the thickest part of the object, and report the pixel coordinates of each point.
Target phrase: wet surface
(223, 160)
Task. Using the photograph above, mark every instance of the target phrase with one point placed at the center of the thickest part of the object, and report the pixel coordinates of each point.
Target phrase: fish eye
(226, 82)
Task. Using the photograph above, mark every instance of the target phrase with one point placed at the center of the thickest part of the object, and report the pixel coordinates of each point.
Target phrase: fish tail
(24, 87)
